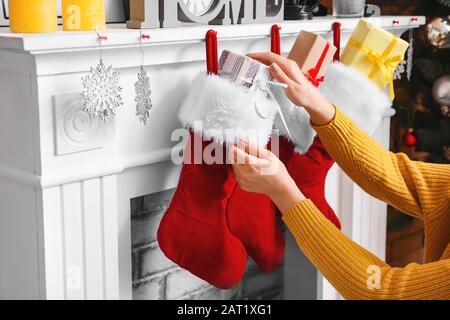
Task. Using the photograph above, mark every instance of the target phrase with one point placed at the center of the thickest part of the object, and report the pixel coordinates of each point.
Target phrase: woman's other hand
(300, 90)
(259, 170)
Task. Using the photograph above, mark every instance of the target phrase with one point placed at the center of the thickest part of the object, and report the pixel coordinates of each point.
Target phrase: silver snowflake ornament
(410, 58)
(143, 96)
(101, 94)
(406, 66)
(401, 68)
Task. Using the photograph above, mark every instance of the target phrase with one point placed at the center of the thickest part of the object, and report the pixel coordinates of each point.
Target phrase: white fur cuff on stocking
(355, 95)
(225, 112)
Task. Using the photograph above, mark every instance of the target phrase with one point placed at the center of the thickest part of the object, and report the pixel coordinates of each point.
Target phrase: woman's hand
(259, 170)
(300, 90)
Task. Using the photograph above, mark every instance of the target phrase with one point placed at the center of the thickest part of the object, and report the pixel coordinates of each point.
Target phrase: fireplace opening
(157, 278)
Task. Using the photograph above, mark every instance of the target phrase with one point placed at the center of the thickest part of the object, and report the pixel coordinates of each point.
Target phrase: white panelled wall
(66, 179)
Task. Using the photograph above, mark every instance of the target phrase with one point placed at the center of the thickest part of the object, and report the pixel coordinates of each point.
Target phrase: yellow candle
(33, 16)
(83, 15)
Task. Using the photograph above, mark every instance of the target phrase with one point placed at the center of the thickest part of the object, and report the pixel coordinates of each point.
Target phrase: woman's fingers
(268, 162)
(264, 57)
(254, 149)
(280, 75)
(290, 67)
(269, 57)
(240, 157)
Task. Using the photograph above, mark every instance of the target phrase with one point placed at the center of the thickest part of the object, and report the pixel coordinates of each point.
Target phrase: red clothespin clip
(103, 38)
(212, 55)
(337, 40)
(275, 39)
(395, 22)
(414, 19)
(145, 36)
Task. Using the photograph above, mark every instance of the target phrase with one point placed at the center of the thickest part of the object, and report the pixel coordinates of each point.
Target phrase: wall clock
(199, 7)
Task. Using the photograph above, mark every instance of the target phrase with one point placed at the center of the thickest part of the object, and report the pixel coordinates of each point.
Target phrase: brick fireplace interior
(156, 277)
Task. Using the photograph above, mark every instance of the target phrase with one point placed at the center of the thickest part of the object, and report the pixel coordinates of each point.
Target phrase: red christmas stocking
(253, 220)
(309, 172)
(304, 156)
(194, 232)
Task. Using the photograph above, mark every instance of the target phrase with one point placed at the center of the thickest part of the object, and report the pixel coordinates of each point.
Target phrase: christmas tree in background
(423, 117)
(421, 126)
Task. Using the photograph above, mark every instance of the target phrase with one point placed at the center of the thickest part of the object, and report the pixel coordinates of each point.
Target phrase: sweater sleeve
(355, 272)
(410, 186)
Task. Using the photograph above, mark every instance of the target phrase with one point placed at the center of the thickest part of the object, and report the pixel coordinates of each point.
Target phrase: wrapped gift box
(312, 53)
(375, 52)
(243, 71)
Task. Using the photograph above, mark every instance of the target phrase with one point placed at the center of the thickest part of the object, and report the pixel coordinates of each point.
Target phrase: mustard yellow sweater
(420, 189)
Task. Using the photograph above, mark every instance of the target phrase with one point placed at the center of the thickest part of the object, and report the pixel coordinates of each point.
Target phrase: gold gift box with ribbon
(376, 53)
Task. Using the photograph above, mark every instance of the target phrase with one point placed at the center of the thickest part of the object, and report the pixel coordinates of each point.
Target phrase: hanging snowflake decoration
(406, 66)
(400, 70)
(143, 96)
(410, 56)
(101, 94)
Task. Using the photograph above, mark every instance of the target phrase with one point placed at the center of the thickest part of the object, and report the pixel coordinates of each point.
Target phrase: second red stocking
(252, 219)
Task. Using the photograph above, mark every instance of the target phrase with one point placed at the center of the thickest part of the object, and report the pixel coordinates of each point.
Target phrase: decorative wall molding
(76, 130)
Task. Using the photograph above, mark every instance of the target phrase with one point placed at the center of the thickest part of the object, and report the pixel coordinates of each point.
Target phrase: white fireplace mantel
(66, 179)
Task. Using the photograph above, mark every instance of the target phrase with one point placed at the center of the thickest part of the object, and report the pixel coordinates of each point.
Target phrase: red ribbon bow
(312, 74)
(315, 81)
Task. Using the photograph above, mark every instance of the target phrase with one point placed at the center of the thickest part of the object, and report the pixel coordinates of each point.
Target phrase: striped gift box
(244, 71)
